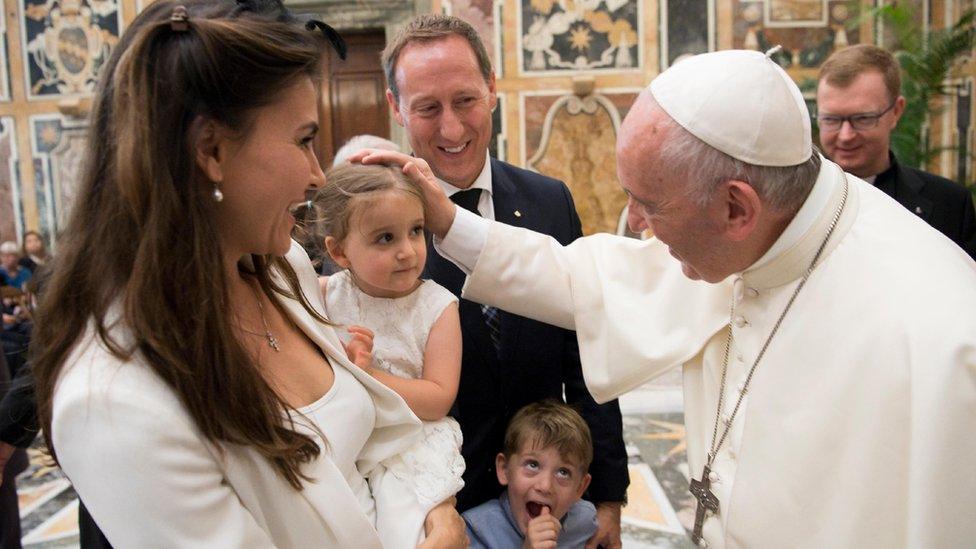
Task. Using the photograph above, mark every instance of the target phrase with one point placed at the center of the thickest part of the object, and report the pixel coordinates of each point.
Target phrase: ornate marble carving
(485, 17)
(65, 43)
(58, 147)
(580, 35)
(808, 30)
(577, 146)
(11, 205)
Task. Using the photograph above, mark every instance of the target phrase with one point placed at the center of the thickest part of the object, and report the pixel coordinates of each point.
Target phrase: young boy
(544, 464)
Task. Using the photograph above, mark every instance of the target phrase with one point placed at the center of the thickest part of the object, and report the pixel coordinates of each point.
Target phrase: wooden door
(354, 93)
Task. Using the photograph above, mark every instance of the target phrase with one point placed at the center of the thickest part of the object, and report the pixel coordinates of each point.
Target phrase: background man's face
(445, 106)
(861, 152)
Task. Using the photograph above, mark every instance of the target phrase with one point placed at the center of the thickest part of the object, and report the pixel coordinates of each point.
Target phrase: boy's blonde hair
(550, 423)
(349, 187)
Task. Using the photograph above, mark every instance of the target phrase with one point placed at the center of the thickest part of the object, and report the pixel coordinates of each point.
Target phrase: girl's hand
(440, 209)
(360, 347)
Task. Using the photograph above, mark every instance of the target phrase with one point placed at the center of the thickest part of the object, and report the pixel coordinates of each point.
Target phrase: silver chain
(728, 340)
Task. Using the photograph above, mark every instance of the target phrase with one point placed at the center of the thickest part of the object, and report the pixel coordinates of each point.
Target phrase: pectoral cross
(706, 502)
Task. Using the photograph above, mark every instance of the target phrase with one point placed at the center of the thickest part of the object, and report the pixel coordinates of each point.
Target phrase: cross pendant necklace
(272, 340)
(701, 489)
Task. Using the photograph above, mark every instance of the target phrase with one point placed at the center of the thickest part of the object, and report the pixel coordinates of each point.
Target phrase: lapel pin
(518, 213)
(918, 210)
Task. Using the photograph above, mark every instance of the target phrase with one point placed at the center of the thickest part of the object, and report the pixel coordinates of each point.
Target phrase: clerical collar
(483, 181)
(804, 219)
(790, 255)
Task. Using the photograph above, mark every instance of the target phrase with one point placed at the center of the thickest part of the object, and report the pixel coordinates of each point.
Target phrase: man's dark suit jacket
(535, 361)
(946, 206)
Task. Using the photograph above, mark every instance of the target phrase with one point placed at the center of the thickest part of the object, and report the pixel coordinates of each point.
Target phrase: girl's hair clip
(178, 20)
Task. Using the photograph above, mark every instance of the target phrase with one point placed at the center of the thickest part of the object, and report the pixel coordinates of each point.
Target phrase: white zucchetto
(740, 102)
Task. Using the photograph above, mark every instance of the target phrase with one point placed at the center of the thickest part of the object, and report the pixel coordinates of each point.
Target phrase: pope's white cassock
(857, 428)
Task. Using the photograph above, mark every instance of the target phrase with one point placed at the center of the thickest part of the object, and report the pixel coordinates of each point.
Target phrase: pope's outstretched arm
(461, 236)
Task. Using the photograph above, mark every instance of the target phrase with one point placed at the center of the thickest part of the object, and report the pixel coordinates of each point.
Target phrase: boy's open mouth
(534, 508)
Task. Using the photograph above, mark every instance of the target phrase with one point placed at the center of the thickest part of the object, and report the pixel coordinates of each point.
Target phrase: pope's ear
(742, 209)
(206, 136)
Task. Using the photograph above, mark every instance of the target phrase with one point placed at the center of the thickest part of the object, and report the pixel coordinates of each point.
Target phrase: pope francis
(827, 336)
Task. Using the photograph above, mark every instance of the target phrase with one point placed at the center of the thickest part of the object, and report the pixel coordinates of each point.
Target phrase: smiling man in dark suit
(859, 104)
(442, 91)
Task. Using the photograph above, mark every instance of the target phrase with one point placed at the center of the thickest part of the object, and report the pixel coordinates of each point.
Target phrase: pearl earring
(217, 195)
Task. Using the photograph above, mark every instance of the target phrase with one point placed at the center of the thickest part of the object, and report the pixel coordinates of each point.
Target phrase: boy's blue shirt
(492, 526)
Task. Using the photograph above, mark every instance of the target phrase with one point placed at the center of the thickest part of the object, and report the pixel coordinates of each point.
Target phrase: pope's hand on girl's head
(440, 209)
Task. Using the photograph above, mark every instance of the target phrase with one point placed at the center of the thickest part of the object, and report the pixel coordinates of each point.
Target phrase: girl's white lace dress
(433, 466)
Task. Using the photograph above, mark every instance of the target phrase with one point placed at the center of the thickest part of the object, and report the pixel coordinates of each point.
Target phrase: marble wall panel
(4, 62)
(65, 44)
(808, 30)
(601, 35)
(486, 18)
(499, 142)
(11, 206)
(57, 148)
(576, 144)
(687, 28)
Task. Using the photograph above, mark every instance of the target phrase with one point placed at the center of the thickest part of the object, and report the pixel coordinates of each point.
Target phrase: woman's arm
(143, 470)
(431, 396)
(444, 528)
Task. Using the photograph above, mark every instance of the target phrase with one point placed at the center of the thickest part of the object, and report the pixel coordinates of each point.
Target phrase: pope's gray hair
(783, 188)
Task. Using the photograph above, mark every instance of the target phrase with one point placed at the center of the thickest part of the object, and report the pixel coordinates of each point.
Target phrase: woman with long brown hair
(187, 381)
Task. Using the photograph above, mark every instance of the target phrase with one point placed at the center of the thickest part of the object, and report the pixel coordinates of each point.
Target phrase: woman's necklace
(272, 340)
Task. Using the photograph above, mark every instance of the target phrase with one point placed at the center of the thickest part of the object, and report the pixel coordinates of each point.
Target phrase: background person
(34, 253)
(442, 91)
(186, 380)
(859, 103)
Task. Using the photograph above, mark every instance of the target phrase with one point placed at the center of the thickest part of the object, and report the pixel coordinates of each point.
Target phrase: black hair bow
(286, 16)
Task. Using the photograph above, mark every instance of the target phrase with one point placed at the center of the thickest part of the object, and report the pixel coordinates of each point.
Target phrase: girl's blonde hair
(350, 188)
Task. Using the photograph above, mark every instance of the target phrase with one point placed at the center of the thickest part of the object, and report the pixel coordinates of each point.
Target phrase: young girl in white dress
(402, 330)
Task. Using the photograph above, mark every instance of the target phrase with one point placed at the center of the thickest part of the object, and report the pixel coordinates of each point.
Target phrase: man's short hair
(360, 142)
(841, 68)
(427, 28)
(9, 247)
(548, 424)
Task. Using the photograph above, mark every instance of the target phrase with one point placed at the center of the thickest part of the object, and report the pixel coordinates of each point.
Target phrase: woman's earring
(218, 196)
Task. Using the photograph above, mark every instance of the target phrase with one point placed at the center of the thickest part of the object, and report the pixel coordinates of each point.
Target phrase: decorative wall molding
(58, 146)
(65, 43)
(11, 205)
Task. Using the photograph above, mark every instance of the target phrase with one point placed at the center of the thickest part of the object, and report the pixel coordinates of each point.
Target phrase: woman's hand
(444, 528)
(359, 350)
(440, 209)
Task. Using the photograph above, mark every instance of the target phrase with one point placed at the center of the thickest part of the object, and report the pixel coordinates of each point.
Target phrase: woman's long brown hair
(141, 246)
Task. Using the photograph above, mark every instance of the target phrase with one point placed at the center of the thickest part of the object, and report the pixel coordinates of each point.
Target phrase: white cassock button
(752, 292)
(741, 386)
(725, 419)
(738, 356)
(713, 477)
(740, 321)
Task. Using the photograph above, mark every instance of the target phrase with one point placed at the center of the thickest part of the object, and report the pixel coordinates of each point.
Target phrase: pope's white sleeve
(145, 473)
(464, 242)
